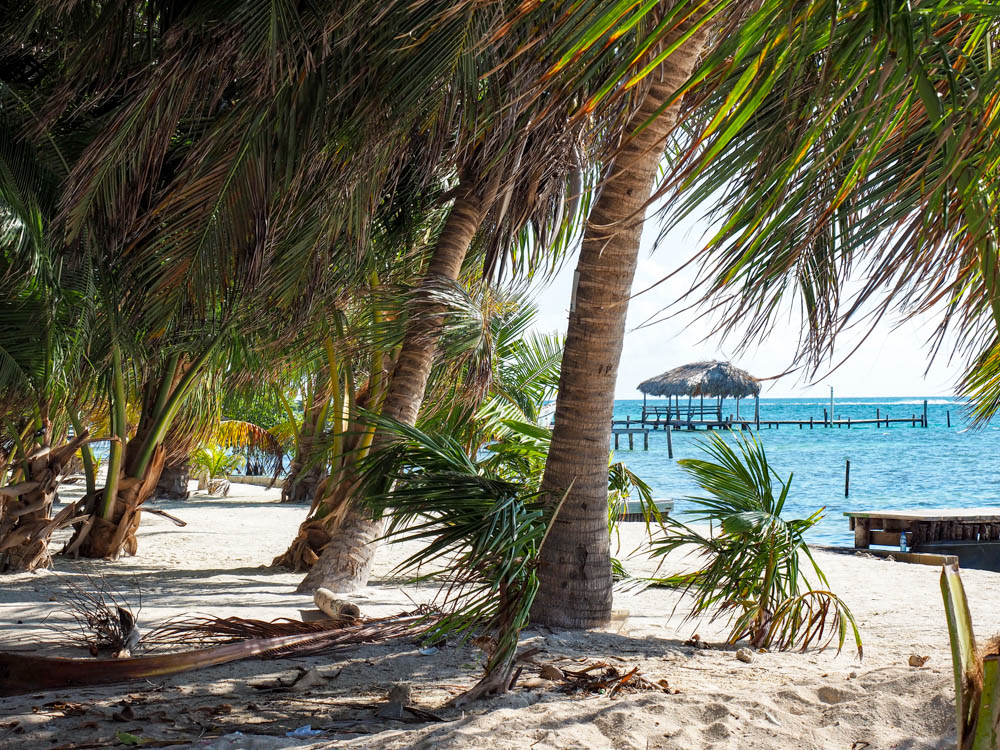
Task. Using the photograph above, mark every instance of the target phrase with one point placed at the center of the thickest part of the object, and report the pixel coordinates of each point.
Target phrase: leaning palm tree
(850, 137)
(46, 305)
(574, 588)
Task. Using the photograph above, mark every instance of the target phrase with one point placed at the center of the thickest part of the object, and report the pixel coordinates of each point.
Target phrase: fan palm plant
(752, 571)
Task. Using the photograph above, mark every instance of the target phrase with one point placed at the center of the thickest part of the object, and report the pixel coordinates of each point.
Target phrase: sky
(892, 362)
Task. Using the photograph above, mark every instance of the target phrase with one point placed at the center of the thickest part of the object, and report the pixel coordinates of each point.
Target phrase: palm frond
(751, 574)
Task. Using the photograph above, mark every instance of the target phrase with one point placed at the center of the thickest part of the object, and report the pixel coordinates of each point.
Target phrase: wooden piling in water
(670, 443)
(925, 412)
(948, 414)
(847, 478)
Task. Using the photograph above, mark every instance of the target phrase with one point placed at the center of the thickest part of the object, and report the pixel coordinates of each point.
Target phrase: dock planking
(920, 526)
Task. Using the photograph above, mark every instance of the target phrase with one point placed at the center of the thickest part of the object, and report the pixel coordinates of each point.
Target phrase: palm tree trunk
(575, 564)
(173, 482)
(115, 513)
(346, 562)
(26, 520)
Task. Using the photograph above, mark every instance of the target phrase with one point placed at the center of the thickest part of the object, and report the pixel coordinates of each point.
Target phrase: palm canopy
(860, 147)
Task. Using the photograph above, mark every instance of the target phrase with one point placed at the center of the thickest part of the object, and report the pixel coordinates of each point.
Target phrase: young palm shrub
(752, 574)
(481, 525)
(214, 464)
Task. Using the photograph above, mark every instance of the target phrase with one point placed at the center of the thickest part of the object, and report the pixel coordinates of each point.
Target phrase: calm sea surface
(891, 468)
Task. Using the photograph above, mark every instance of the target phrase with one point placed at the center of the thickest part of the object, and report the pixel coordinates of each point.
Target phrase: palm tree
(818, 147)
(487, 365)
(46, 306)
(575, 575)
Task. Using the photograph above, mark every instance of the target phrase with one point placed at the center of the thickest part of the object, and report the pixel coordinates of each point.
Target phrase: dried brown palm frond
(332, 634)
(104, 618)
(26, 673)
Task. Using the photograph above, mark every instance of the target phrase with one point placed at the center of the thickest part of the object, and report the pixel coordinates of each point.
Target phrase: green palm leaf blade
(750, 572)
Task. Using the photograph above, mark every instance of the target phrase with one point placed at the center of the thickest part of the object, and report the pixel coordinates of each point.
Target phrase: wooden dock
(700, 417)
(917, 527)
(632, 429)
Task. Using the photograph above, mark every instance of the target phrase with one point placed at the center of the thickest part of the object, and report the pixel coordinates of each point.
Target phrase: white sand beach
(218, 565)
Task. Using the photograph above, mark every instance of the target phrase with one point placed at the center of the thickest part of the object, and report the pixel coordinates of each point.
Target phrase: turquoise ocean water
(895, 467)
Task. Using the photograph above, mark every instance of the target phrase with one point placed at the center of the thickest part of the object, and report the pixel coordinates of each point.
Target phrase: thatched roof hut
(713, 379)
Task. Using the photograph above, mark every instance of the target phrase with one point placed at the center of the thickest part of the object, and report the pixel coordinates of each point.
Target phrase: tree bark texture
(26, 520)
(345, 563)
(575, 562)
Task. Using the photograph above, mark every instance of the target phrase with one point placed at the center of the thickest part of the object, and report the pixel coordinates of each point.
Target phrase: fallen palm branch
(208, 630)
(25, 673)
(104, 619)
(602, 677)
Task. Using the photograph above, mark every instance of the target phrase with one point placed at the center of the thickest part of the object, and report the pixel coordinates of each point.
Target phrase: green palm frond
(215, 460)
(248, 438)
(478, 530)
(751, 573)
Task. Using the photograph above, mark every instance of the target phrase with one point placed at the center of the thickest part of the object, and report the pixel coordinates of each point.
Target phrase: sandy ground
(217, 564)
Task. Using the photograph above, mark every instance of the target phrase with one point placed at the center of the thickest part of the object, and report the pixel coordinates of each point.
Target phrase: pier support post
(847, 478)
(878, 416)
(631, 444)
(826, 418)
(948, 414)
(925, 412)
(645, 440)
(862, 537)
(670, 443)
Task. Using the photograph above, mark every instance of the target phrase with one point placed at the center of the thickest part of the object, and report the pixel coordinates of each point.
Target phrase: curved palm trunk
(173, 482)
(303, 478)
(575, 562)
(346, 562)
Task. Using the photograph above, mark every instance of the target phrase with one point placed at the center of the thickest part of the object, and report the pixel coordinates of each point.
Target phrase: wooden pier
(631, 430)
(920, 527)
(698, 416)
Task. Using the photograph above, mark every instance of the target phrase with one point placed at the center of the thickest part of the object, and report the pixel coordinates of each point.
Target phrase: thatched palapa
(713, 379)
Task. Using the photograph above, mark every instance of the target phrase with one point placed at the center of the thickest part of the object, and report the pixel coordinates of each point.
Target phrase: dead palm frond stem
(27, 673)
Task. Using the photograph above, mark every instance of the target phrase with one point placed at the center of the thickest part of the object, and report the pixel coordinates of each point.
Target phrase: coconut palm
(487, 357)
(575, 578)
(848, 138)
(46, 305)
